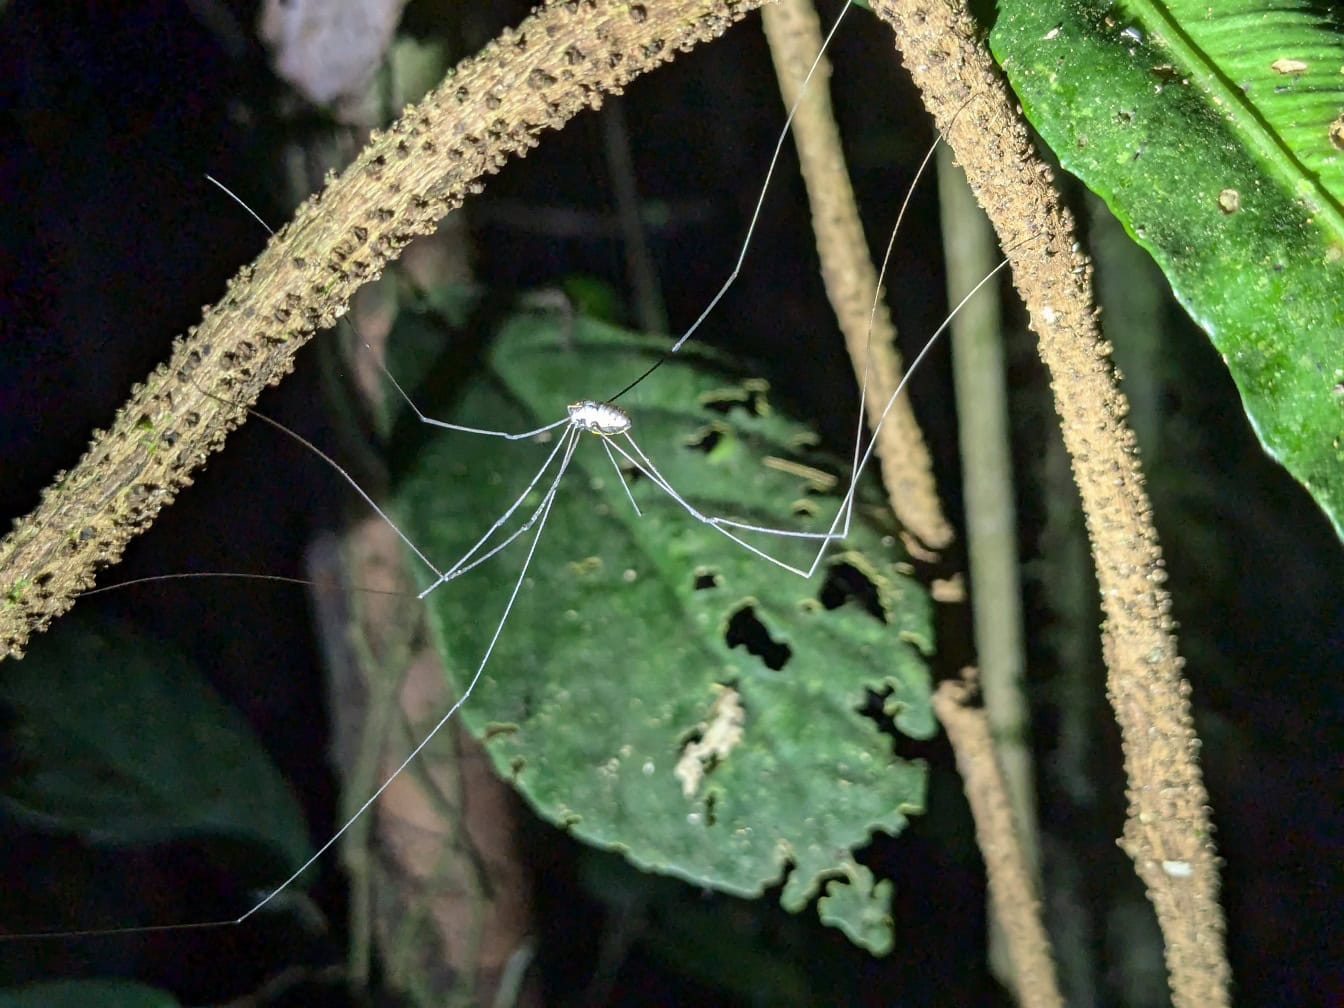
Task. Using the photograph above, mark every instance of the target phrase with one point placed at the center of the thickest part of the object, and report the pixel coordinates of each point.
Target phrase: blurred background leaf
(118, 739)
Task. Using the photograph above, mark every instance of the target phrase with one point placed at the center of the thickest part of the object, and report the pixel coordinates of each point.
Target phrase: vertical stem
(991, 518)
(640, 269)
(847, 271)
(1012, 894)
(1168, 829)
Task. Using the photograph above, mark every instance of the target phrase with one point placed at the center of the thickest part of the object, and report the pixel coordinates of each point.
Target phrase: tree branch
(492, 107)
(847, 271)
(1167, 831)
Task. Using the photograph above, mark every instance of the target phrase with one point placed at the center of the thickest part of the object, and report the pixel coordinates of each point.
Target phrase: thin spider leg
(838, 529)
(606, 446)
(840, 525)
(340, 471)
(197, 575)
(855, 467)
(469, 560)
(847, 504)
(649, 470)
(844, 515)
(458, 427)
(239, 200)
(545, 512)
(388, 374)
(765, 185)
(756, 213)
(914, 366)
(457, 570)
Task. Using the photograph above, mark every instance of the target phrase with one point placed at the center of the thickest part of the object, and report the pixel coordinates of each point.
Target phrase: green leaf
(591, 296)
(120, 740)
(1214, 133)
(613, 700)
(859, 908)
(86, 993)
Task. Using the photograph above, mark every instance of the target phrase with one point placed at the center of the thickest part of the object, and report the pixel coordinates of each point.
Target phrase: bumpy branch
(1167, 831)
(562, 59)
(847, 270)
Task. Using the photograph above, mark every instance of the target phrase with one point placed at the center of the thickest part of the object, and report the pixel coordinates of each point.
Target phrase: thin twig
(991, 519)
(847, 271)
(1011, 890)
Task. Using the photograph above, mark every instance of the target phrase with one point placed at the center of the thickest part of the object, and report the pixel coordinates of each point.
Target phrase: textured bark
(559, 61)
(1168, 832)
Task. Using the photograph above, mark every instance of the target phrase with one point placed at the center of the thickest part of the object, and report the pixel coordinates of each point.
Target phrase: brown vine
(562, 59)
(850, 277)
(1167, 831)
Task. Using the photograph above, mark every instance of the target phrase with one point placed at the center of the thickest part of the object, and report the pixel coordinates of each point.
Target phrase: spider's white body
(599, 417)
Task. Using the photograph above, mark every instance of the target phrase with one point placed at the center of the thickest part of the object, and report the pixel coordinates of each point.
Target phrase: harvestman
(613, 426)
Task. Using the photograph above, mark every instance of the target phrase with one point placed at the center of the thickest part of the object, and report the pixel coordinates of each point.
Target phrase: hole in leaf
(746, 630)
(845, 582)
(805, 508)
(883, 707)
(750, 396)
(706, 578)
(706, 440)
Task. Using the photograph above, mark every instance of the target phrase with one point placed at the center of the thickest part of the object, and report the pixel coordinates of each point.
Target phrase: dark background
(113, 241)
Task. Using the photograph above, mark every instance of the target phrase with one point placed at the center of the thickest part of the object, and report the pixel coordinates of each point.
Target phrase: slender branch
(1168, 829)
(847, 271)
(1011, 889)
(981, 384)
(492, 107)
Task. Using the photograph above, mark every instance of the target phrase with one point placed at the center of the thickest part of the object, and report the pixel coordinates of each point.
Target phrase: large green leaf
(618, 657)
(120, 740)
(1214, 133)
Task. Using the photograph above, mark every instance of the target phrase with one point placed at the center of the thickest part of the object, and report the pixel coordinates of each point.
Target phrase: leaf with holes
(658, 690)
